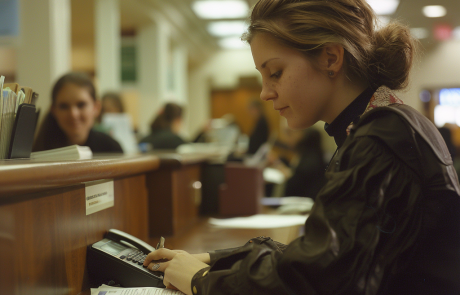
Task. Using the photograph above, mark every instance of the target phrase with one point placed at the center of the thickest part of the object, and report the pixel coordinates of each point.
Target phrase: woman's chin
(299, 125)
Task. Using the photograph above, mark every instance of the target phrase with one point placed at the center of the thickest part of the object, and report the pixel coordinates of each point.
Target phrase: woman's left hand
(179, 268)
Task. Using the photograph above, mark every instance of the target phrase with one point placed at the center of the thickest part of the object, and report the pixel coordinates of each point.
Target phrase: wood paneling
(172, 199)
(236, 102)
(43, 239)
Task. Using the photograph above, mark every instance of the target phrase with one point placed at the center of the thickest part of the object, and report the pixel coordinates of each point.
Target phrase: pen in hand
(160, 244)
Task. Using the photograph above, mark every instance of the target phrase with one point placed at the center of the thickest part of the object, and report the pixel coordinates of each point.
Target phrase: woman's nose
(267, 92)
(74, 112)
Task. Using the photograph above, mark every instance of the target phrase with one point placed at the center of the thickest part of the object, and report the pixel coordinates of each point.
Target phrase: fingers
(157, 266)
(162, 253)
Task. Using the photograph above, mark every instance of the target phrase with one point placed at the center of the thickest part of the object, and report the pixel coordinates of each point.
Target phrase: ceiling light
(434, 11)
(420, 33)
(221, 9)
(232, 43)
(227, 28)
(384, 7)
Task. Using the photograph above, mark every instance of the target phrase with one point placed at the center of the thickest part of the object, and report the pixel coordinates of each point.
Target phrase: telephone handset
(119, 257)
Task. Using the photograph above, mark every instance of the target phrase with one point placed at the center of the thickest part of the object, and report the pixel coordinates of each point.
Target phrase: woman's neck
(345, 93)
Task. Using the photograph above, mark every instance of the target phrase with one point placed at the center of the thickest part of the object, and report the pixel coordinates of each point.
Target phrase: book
(73, 152)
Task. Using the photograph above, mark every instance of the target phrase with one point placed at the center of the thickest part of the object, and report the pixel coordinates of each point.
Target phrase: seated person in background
(165, 128)
(74, 110)
(307, 166)
(112, 103)
(261, 132)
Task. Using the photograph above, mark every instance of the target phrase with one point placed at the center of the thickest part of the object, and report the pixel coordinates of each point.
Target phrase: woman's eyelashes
(276, 75)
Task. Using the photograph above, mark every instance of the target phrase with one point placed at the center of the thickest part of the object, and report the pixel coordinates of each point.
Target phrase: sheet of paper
(260, 221)
(106, 290)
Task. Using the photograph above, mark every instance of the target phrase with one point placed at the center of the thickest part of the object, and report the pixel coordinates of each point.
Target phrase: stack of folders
(14, 98)
(72, 152)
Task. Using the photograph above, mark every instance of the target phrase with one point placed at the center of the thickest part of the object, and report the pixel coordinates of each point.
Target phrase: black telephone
(119, 258)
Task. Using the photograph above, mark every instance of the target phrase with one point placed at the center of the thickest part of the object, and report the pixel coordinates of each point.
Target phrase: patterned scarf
(382, 97)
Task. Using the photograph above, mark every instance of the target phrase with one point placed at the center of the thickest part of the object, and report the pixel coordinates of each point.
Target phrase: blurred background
(189, 52)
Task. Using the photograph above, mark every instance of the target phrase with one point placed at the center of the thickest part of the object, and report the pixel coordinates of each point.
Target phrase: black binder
(22, 136)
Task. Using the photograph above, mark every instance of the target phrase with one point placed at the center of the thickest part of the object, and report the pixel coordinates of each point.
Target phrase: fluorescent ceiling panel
(384, 7)
(212, 9)
(227, 28)
(434, 11)
(420, 33)
(232, 43)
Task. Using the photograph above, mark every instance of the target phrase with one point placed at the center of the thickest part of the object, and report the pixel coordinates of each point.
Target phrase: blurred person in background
(70, 121)
(165, 128)
(306, 170)
(261, 131)
(112, 103)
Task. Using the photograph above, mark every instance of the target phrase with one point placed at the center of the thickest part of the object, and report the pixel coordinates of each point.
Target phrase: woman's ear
(332, 58)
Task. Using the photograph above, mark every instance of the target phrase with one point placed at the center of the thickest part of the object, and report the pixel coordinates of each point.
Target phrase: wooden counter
(175, 193)
(44, 229)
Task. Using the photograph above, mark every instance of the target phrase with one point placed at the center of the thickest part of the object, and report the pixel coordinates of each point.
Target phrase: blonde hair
(382, 57)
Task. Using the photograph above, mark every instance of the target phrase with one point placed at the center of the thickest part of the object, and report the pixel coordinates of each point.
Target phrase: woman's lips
(281, 110)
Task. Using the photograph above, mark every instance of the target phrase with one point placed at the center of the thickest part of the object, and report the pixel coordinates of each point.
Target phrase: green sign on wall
(128, 63)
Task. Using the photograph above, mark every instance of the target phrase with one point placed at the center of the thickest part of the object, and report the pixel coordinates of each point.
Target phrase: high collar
(338, 128)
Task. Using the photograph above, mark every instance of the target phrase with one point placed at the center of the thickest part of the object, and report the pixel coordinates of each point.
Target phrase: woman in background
(70, 121)
(261, 131)
(112, 103)
(308, 175)
(165, 128)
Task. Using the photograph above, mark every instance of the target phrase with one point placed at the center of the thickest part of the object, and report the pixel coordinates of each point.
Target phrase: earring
(331, 74)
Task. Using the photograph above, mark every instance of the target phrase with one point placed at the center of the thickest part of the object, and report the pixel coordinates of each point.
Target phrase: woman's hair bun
(393, 54)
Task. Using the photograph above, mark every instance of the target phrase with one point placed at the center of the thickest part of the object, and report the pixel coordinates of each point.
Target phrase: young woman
(165, 128)
(74, 110)
(387, 221)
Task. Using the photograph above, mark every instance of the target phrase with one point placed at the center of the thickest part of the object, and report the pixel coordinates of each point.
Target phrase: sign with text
(99, 195)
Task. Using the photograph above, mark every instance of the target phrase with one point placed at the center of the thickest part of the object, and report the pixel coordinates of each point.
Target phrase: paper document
(106, 290)
(260, 221)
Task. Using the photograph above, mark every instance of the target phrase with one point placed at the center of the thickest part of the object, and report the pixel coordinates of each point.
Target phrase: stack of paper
(11, 97)
(73, 152)
(260, 221)
(103, 290)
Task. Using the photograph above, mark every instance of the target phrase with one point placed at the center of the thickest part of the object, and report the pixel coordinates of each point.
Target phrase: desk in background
(175, 193)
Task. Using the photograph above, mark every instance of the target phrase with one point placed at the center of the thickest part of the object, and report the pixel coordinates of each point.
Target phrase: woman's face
(75, 111)
(299, 91)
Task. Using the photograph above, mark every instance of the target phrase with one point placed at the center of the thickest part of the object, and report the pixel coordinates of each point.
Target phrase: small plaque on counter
(99, 195)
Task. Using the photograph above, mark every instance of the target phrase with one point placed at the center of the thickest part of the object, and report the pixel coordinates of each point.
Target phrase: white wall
(438, 67)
